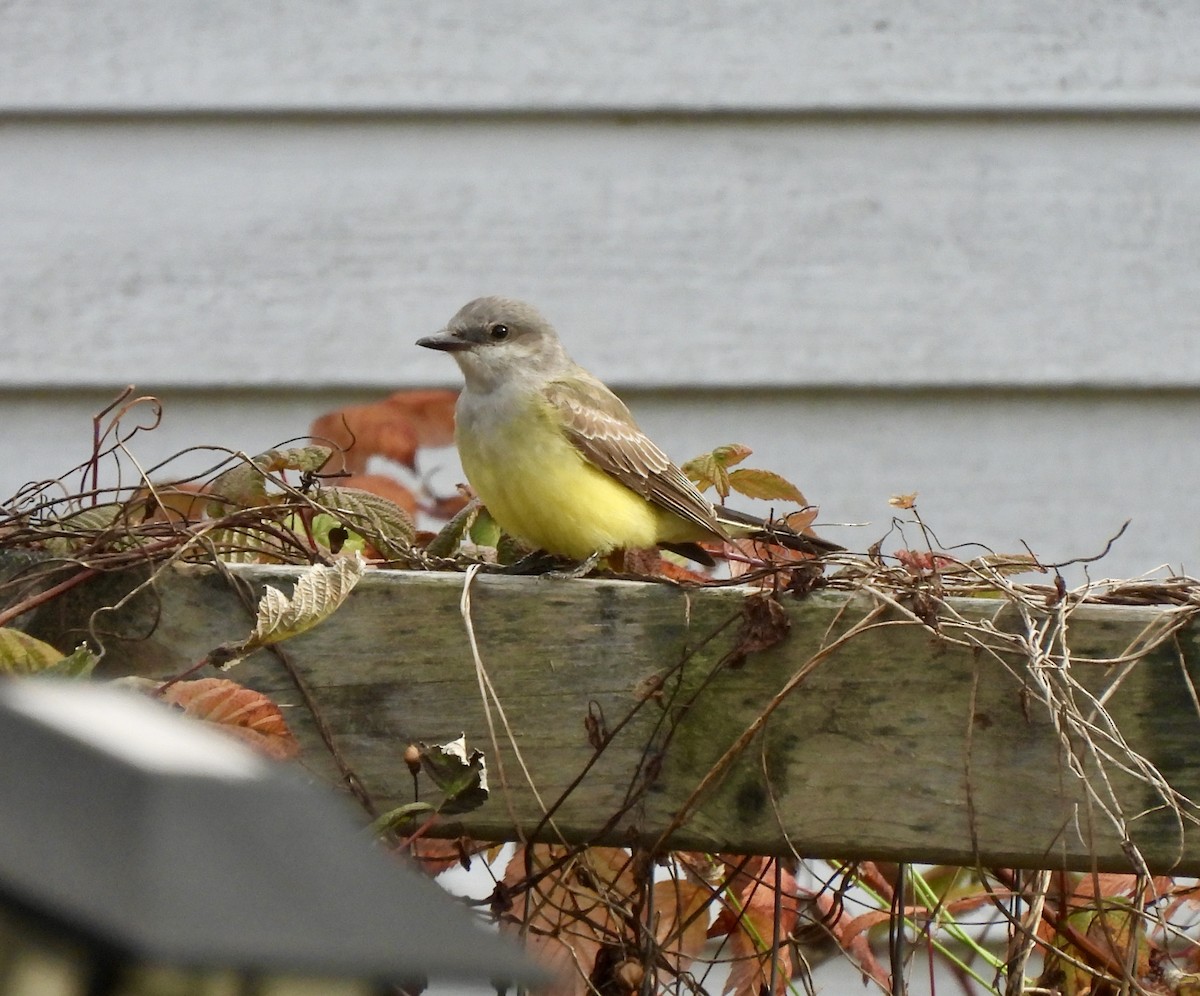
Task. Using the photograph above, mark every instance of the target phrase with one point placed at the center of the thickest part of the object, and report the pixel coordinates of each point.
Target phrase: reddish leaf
(430, 413)
(681, 921)
(651, 563)
(765, 484)
(434, 856)
(764, 624)
(568, 913)
(757, 941)
(393, 428)
(851, 938)
(237, 711)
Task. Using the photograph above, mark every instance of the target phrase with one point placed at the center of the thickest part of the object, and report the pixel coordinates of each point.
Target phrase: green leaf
(711, 470)
(323, 526)
(731, 454)
(79, 663)
(765, 484)
(485, 531)
(83, 527)
(387, 526)
(401, 816)
(21, 653)
(447, 541)
(462, 778)
(245, 486)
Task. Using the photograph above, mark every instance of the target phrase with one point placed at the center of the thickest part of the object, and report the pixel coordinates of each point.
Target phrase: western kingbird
(557, 458)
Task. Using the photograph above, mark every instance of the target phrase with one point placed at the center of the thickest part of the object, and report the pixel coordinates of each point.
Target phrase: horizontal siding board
(1059, 471)
(720, 253)
(144, 55)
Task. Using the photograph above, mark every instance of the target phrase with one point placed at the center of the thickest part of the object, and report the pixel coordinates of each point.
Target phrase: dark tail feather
(775, 532)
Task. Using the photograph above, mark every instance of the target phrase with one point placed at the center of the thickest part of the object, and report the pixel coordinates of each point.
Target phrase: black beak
(445, 340)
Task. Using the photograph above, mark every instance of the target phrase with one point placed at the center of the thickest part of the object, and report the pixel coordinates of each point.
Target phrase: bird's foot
(577, 571)
(538, 562)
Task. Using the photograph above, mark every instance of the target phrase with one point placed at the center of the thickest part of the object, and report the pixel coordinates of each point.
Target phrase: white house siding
(896, 246)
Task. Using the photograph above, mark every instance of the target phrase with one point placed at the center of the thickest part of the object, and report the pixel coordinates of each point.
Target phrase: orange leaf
(765, 484)
(568, 921)
(681, 921)
(651, 563)
(757, 940)
(237, 711)
(850, 936)
(393, 428)
(434, 856)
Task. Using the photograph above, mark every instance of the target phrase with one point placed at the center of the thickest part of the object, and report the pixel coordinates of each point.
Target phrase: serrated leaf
(461, 777)
(711, 470)
(765, 484)
(317, 594)
(86, 522)
(245, 486)
(384, 523)
(237, 711)
(706, 472)
(731, 454)
(21, 653)
(448, 538)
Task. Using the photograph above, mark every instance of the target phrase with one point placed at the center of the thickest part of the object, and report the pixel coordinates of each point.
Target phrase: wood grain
(897, 744)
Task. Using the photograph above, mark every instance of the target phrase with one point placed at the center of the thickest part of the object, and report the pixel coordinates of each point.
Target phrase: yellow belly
(540, 489)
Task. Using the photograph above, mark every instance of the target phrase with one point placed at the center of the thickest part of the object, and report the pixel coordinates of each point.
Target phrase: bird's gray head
(495, 339)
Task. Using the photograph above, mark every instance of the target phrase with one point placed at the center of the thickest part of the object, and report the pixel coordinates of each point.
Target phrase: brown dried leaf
(765, 484)
(682, 923)
(393, 428)
(903, 501)
(237, 711)
(651, 563)
(756, 939)
(430, 413)
(434, 856)
(851, 938)
(568, 918)
(764, 624)
(177, 503)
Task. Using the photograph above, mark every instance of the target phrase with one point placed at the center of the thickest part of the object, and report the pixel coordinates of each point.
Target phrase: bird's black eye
(498, 332)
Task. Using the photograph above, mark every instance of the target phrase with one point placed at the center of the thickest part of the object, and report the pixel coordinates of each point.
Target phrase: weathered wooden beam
(891, 740)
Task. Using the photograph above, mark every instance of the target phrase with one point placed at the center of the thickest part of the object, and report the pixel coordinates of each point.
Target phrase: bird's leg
(579, 570)
(538, 562)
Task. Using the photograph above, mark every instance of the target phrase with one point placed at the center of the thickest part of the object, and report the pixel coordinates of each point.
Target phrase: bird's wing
(599, 425)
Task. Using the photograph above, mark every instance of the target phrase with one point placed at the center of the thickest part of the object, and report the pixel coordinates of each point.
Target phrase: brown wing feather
(599, 425)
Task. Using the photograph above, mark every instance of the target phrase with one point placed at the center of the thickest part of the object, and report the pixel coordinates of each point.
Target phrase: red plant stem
(11, 613)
